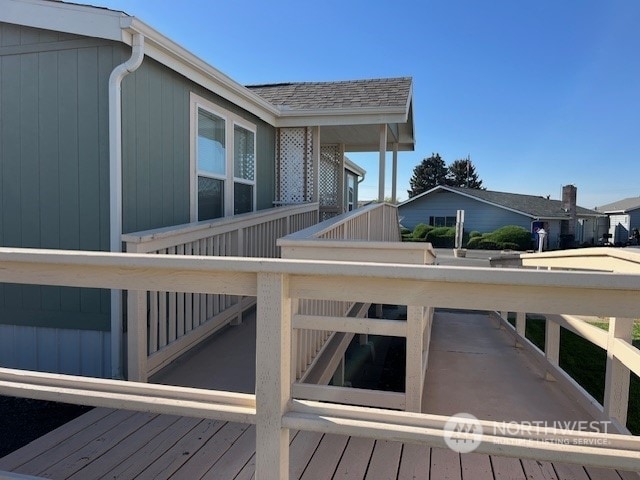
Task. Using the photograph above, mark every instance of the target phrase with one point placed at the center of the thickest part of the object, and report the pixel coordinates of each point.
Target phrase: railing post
(414, 366)
(273, 375)
(521, 327)
(137, 336)
(551, 344)
(616, 388)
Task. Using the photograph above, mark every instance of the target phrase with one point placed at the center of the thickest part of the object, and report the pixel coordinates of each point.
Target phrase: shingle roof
(379, 92)
(534, 206)
(625, 205)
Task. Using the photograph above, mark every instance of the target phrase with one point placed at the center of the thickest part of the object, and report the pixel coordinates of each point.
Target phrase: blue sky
(539, 94)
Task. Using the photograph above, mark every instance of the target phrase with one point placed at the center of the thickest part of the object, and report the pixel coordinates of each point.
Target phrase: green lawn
(586, 363)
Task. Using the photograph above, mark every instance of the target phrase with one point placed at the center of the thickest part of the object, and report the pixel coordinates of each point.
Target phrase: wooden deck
(464, 372)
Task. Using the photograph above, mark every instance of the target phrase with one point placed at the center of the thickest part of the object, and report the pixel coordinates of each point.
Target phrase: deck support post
(414, 363)
(521, 327)
(552, 344)
(616, 388)
(273, 375)
(137, 336)
(504, 315)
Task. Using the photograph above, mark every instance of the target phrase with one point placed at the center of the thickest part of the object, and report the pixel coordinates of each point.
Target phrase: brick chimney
(569, 195)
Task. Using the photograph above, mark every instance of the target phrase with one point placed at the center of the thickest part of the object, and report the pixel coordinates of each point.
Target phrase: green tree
(462, 173)
(430, 173)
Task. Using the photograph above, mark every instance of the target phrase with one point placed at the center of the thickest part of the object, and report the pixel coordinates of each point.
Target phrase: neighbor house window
(351, 192)
(442, 221)
(224, 162)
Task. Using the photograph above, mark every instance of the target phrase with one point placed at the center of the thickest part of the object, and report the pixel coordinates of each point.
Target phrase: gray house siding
(54, 182)
(479, 216)
(156, 143)
(54, 163)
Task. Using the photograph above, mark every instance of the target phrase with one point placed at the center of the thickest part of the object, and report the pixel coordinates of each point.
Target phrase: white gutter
(115, 188)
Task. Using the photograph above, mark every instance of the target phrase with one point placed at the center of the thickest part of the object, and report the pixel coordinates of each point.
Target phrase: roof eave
(75, 19)
(340, 116)
(166, 51)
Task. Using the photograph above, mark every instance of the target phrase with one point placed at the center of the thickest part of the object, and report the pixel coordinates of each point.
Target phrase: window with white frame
(224, 162)
(244, 166)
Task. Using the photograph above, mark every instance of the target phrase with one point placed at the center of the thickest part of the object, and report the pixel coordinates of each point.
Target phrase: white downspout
(115, 188)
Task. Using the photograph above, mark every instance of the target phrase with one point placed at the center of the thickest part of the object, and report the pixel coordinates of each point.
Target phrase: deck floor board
(115, 444)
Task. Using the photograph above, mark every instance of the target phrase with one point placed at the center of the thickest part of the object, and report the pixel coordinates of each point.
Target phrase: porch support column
(394, 174)
(383, 154)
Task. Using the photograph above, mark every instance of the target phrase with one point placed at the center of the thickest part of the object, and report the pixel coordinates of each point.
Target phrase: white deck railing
(368, 234)
(178, 321)
(277, 284)
(616, 342)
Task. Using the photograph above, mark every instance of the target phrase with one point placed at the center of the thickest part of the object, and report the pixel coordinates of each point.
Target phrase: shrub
(404, 231)
(441, 237)
(474, 234)
(421, 230)
(473, 243)
(510, 246)
(487, 244)
(510, 237)
(519, 236)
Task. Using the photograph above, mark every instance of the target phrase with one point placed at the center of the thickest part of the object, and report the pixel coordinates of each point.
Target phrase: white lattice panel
(294, 165)
(330, 187)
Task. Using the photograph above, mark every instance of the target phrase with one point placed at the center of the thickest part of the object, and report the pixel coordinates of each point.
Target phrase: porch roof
(349, 112)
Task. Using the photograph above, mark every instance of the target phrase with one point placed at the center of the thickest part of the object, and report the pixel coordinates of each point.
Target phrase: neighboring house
(108, 127)
(623, 216)
(486, 211)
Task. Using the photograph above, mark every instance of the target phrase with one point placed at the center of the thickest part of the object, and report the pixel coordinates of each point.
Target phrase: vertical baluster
(180, 301)
(172, 306)
(153, 322)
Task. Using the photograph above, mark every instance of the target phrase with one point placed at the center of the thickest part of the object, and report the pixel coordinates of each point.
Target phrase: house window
(442, 221)
(244, 166)
(351, 192)
(224, 162)
(211, 165)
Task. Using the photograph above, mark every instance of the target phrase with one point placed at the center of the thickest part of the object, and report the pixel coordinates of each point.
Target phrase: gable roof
(99, 22)
(529, 205)
(621, 206)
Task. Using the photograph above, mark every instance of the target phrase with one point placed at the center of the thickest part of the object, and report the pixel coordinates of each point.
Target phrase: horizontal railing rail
(368, 234)
(178, 321)
(622, 356)
(278, 284)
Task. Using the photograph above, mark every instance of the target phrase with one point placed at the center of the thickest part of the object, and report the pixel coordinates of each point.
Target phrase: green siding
(54, 159)
(54, 165)
(155, 160)
(156, 143)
